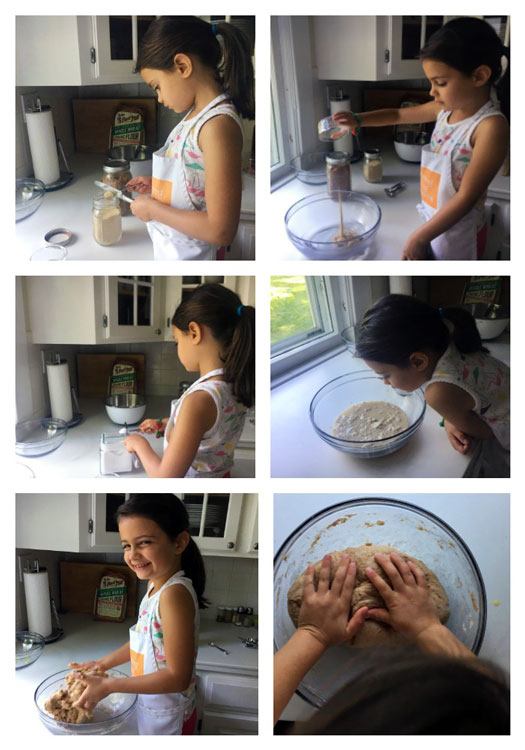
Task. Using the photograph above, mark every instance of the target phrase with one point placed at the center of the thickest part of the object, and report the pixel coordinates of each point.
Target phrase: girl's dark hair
(169, 512)
(408, 692)
(399, 325)
(232, 63)
(232, 325)
(465, 44)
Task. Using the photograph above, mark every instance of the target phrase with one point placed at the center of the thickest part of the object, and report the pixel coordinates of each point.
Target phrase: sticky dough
(366, 595)
(61, 704)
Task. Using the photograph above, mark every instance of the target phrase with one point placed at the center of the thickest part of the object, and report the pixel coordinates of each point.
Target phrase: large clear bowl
(29, 194)
(404, 526)
(354, 388)
(36, 437)
(108, 716)
(313, 222)
(310, 167)
(29, 647)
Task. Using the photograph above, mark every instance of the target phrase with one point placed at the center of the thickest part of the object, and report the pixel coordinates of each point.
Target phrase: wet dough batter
(366, 595)
(60, 705)
(370, 420)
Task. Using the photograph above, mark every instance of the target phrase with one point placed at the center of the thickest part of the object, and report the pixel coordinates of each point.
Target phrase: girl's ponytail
(193, 565)
(464, 333)
(236, 68)
(232, 325)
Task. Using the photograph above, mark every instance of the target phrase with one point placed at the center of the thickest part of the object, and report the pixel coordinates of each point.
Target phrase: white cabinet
(371, 48)
(227, 703)
(78, 50)
(243, 245)
(93, 309)
(221, 523)
(177, 287)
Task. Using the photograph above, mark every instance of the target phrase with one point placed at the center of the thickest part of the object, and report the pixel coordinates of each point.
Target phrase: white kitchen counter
(78, 456)
(88, 639)
(70, 208)
(297, 450)
(482, 521)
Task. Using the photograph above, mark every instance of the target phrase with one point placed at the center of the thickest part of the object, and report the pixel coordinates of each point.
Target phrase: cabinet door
(218, 723)
(54, 522)
(133, 308)
(116, 41)
(214, 520)
(406, 36)
(248, 533)
(172, 298)
(243, 245)
(103, 533)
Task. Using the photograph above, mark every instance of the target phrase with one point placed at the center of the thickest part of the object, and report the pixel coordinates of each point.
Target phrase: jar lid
(338, 158)
(371, 152)
(114, 166)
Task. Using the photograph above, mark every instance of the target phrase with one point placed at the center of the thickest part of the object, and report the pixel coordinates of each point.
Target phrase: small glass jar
(220, 614)
(228, 614)
(241, 611)
(373, 165)
(116, 174)
(107, 219)
(338, 172)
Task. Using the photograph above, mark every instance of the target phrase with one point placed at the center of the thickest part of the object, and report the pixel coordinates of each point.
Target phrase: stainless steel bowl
(131, 153)
(125, 408)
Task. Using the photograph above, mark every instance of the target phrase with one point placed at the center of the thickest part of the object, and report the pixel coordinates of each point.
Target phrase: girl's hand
(153, 426)
(409, 609)
(458, 440)
(97, 689)
(133, 443)
(324, 613)
(347, 121)
(143, 207)
(416, 249)
(140, 185)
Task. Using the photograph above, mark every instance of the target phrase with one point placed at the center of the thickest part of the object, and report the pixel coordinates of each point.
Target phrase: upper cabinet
(78, 50)
(178, 287)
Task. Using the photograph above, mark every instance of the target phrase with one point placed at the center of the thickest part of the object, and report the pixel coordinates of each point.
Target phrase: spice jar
(338, 172)
(228, 614)
(107, 220)
(241, 611)
(373, 165)
(220, 614)
(116, 174)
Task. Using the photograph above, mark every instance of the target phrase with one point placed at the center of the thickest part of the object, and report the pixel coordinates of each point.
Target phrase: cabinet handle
(158, 331)
(230, 545)
(256, 545)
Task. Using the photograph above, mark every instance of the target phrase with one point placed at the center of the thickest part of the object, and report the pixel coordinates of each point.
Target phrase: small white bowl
(408, 151)
(125, 408)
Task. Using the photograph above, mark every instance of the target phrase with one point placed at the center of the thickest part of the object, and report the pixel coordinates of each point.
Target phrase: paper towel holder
(32, 103)
(54, 358)
(33, 566)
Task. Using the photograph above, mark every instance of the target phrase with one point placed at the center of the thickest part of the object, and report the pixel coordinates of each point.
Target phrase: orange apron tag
(161, 190)
(137, 663)
(429, 185)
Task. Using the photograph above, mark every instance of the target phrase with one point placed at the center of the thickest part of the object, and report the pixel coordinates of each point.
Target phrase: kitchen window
(307, 315)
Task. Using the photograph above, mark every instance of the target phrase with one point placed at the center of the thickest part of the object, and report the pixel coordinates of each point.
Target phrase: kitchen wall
(231, 581)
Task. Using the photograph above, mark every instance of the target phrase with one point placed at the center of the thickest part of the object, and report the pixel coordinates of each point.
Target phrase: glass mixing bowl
(36, 437)
(409, 529)
(29, 194)
(310, 168)
(29, 647)
(354, 388)
(109, 715)
(313, 223)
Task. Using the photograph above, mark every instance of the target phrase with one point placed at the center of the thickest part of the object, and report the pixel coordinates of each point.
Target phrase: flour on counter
(370, 420)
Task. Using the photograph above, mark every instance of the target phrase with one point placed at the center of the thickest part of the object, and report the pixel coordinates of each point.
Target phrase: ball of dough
(373, 633)
(61, 704)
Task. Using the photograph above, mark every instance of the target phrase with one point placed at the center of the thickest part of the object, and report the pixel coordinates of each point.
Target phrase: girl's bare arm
(427, 112)
(119, 656)
(455, 405)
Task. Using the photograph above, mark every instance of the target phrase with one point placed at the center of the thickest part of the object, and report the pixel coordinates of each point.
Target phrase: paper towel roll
(346, 143)
(60, 391)
(42, 143)
(38, 603)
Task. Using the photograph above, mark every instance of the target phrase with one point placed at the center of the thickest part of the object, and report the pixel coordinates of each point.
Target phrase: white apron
(174, 408)
(169, 187)
(460, 241)
(161, 713)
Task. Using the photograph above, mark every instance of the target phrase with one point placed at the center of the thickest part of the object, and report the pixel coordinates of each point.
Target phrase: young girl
(413, 345)
(163, 644)
(192, 202)
(469, 144)
(215, 336)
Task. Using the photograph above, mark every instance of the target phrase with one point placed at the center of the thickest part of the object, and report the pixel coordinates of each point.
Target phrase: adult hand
(140, 185)
(133, 443)
(325, 612)
(97, 689)
(457, 439)
(416, 249)
(143, 207)
(409, 609)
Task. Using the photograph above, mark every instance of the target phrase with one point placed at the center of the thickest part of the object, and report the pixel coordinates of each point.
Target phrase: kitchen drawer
(216, 723)
(223, 691)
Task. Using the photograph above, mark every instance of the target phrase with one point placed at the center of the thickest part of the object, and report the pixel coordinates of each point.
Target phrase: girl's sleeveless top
(484, 378)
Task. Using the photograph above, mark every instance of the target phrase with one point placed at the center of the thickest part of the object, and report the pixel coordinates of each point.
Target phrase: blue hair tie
(214, 29)
(239, 310)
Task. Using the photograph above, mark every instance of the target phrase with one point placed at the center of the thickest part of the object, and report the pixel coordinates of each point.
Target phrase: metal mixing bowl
(109, 715)
(36, 437)
(313, 222)
(125, 408)
(354, 388)
(491, 319)
(29, 647)
(29, 194)
(404, 526)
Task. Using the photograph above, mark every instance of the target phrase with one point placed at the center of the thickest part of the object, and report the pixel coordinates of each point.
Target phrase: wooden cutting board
(94, 117)
(93, 371)
(79, 582)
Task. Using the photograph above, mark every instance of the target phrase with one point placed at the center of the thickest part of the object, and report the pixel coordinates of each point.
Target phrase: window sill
(294, 372)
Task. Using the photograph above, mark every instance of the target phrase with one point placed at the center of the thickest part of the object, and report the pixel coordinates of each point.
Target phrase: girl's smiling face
(148, 550)
(451, 88)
